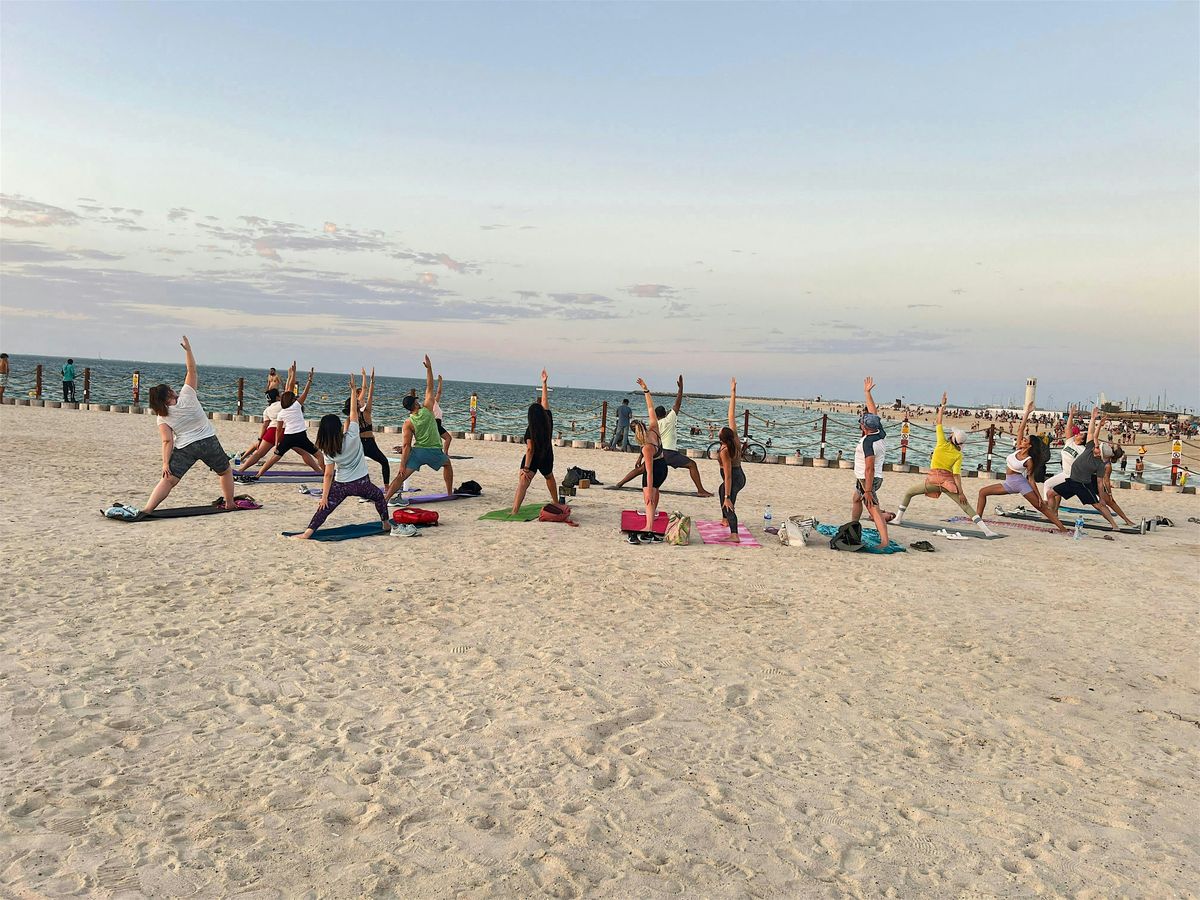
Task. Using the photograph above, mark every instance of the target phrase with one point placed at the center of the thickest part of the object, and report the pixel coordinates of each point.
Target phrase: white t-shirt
(666, 430)
(271, 413)
(870, 445)
(1070, 452)
(187, 419)
(293, 419)
(437, 410)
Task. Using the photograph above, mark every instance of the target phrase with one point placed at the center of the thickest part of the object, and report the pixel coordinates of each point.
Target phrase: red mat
(632, 520)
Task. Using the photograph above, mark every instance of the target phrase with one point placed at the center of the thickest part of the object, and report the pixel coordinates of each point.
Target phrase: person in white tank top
(1019, 479)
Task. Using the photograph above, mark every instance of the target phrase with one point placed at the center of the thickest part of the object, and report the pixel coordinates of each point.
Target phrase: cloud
(924, 306)
(178, 214)
(863, 343)
(491, 227)
(650, 290)
(580, 299)
(427, 258)
(330, 228)
(21, 312)
(674, 309)
(12, 252)
(264, 249)
(427, 278)
(24, 213)
(528, 295)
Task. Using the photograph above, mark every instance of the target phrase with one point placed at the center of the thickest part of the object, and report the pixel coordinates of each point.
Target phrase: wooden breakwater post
(991, 445)
(241, 395)
(37, 386)
(603, 421)
(824, 428)
(87, 384)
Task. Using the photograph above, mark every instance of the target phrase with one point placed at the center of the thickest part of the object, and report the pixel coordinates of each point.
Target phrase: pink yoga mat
(632, 520)
(712, 532)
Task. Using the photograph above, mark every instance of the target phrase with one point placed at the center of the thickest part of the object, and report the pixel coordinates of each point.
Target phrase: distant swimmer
(945, 475)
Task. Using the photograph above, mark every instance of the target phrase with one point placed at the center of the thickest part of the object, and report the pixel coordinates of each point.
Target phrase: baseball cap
(871, 422)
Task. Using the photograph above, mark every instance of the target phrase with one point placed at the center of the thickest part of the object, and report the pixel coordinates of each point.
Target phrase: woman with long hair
(653, 461)
(1019, 479)
(733, 478)
(292, 431)
(364, 397)
(188, 436)
(539, 449)
(345, 469)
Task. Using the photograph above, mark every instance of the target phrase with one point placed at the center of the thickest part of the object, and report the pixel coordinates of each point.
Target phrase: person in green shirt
(68, 372)
(422, 445)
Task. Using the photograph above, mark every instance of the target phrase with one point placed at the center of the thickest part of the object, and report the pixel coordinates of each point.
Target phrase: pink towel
(713, 532)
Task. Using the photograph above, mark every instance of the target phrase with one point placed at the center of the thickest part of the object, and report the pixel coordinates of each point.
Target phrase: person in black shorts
(539, 449)
(655, 464)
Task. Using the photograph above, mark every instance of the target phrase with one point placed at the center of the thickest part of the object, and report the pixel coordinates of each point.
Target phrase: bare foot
(731, 539)
(302, 536)
(704, 493)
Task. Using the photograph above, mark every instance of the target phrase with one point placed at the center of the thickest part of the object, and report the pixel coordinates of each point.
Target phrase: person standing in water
(1020, 465)
(539, 449)
(733, 476)
(273, 381)
(422, 445)
(187, 435)
(345, 468)
(869, 455)
(945, 473)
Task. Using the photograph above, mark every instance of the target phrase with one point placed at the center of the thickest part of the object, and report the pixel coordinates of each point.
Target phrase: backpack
(575, 475)
(848, 537)
(679, 530)
(556, 512)
(410, 515)
(469, 488)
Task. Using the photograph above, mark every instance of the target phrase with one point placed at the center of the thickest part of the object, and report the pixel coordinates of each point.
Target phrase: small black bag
(470, 488)
(848, 537)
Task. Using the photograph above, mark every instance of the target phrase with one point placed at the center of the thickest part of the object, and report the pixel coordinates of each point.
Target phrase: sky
(943, 196)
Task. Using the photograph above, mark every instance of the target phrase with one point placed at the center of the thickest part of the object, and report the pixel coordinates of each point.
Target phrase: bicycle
(752, 451)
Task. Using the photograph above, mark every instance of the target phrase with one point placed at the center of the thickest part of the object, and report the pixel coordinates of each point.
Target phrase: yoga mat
(527, 513)
(343, 532)
(970, 532)
(424, 498)
(870, 540)
(660, 490)
(1004, 524)
(1026, 517)
(632, 520)
(182, 512)
(713, 532)
(396, 459)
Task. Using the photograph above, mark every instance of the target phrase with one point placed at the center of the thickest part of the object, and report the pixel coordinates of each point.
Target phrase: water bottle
(767, 517)
(1078, 527)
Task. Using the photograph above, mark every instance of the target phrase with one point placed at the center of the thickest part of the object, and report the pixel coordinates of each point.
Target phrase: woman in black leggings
(366, 434)
(655, 463)
(733, 479)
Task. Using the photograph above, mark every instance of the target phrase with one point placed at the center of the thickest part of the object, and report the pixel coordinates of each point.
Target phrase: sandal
(922, 545)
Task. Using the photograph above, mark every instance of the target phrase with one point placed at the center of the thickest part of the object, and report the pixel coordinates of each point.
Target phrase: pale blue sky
(954, 195)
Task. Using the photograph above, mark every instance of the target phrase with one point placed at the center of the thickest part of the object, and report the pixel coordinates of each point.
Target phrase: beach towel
(527, 513)
(870, 540)
(343, 532)
(969, 532)
(632, 520)
(713, 532)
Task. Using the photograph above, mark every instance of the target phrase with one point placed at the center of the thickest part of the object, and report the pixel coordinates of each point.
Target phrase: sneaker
(405, 531)
(987, 531)
(397, 500)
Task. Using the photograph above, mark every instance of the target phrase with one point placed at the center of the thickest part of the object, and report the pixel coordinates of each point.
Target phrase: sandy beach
(198, 707)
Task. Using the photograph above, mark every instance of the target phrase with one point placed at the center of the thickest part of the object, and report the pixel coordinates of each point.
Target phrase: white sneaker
(987, 531)
(397, 500)
(405, 531)
(899, 519)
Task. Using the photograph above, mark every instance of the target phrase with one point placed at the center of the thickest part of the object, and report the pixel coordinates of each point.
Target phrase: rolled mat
(527, 513)
(715, 533)
(870, 540)
(632, 520)
(343, 532)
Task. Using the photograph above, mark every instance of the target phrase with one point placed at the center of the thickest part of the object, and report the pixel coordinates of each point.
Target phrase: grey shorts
(207, 450)
(858, 489)
(676, 460)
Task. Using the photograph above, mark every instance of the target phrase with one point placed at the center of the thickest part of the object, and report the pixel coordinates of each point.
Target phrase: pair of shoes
(922, 545)
(397, 500)
(405, 531)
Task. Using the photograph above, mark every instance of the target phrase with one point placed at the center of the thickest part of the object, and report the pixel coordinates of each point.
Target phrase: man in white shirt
(667, 429)
(868, 463)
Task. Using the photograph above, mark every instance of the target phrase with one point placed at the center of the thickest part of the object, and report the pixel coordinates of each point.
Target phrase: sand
(199, 707)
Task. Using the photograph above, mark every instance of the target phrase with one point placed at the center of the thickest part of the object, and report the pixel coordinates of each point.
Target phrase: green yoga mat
(528, 513)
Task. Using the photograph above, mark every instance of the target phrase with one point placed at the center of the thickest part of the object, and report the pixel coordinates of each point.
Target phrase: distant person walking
(3, 374)
(188, 436)
(68, 375)
(621, 435)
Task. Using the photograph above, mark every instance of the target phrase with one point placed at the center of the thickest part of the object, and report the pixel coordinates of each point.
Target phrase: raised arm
(733, 404)
(302, 397)
(353, 417)
(192, 378)
(290, 384)
(941, 408)
(1070, 420)
(1024, 422)
(545, 390)
(429, 394)
(437, 398)
(1093, 424)
(868, 385)
(370, 392)
(651, 415)
(679, 395)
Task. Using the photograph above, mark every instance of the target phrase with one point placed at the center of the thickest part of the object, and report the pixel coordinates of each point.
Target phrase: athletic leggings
(920, 489)
(372, 451)
(730, 515)
(339, 491)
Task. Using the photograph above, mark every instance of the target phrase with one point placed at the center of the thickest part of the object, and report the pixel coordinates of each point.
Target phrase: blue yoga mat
(344, 532)
(870, 540)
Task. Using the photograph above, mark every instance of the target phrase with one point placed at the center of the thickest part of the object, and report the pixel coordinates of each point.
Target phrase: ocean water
(502, 408)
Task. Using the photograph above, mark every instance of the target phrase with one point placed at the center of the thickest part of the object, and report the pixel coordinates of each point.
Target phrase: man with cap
(1083, 481)
(868, 459)
(945, 473)
(422, 445)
